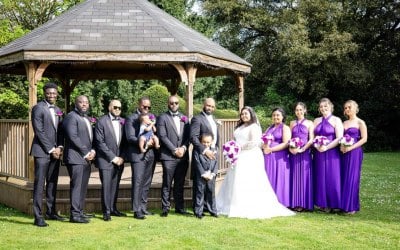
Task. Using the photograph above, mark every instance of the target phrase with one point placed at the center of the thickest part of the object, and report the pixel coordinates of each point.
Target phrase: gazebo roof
(120, 36)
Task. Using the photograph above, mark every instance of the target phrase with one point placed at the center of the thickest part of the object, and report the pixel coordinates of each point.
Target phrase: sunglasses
(146, 107)
(117, 107)
(173, 103)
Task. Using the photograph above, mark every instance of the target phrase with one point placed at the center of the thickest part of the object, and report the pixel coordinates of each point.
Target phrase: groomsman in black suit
(174, 132)
(204, 123)
(109, 147)
(142, 164)
(78, 156)
(46, 149)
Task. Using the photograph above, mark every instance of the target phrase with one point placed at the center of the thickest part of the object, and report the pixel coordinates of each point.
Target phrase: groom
(204, 123)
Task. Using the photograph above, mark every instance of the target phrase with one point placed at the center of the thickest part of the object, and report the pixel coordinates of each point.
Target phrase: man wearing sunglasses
(174, 133)
(142, 164)
(109, 144)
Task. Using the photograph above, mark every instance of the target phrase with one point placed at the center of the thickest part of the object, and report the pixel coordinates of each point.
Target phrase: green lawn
(376, 226)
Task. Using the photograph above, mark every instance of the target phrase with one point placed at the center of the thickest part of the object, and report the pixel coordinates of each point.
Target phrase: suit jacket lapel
(171, 120)
(207, 123)
(111, 128)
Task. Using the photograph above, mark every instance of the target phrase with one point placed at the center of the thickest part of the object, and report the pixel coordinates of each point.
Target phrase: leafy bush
(12, 106)
(158, 95)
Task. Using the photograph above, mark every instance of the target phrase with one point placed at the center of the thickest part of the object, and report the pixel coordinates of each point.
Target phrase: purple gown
(277, 167)
(301, 168)
(351, 172)
(327, 188)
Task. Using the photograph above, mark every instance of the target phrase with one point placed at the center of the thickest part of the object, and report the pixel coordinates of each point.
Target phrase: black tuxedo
(201, 125)
(142, 164)
(47, 137)
(78, 144)
(108, 146)
(174, 169)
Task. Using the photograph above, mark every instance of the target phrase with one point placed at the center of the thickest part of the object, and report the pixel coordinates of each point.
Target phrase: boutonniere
(122, 121)
(92, 120)
(59, 113)
(184, 119)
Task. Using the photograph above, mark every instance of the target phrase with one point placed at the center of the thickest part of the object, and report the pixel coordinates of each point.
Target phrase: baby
(146, 132)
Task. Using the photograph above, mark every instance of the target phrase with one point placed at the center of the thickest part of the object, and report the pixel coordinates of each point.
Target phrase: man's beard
(207, 112)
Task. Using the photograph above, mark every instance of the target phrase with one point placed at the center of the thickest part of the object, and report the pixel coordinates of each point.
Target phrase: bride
(246, 191)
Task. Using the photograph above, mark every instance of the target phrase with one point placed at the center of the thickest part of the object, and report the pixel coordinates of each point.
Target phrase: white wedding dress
(246, 191)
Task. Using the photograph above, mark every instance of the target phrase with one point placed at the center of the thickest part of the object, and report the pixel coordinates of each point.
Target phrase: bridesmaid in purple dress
(327, 169)
(276, 156)
(300, 161)
(352, 157)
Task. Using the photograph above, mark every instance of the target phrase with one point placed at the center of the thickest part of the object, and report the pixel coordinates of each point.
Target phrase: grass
(376, 226)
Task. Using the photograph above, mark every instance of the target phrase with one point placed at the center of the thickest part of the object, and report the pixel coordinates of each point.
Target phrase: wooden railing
(226, 133)
(14, 148)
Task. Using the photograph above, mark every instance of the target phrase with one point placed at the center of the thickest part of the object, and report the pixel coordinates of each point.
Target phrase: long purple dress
(351, 172)
(301, 168)
(327, 188)
(277, 167)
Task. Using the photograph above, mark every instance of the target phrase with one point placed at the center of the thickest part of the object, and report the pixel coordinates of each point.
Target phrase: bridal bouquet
(346, 140)
(267, 138)
(320, 141)
(296, 142)
(231, 150)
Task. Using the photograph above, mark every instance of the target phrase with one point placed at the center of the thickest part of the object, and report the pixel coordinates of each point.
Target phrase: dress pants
(46, 173)
(142, 175)
(79, 175)
(173, 171)
(110, 179)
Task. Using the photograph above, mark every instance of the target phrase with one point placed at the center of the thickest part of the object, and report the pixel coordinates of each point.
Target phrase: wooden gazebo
(117, 39)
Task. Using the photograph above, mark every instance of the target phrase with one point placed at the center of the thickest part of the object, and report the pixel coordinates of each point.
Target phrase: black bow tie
(176, 114)
(115, 119)
(51, 107)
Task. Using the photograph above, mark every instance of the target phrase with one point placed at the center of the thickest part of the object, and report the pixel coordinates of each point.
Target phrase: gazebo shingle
(119, 26)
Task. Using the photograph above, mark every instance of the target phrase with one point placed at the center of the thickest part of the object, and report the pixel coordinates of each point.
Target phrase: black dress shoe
(106, 217)
(164, 214)
(214, 215)
(118, 213)
(87, 216)
(199, 216)
(78, 220)
(181, 211)
(138, 216)
(55, 217)
(146, 212)
(40, 222)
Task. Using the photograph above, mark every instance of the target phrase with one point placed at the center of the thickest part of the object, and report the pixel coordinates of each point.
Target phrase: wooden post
(34, 72)
(240, 88)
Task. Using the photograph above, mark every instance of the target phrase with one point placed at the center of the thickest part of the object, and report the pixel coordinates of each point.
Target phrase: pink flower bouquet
(267, 138)
(296, 142)
(320, 141)
(346, 140)
(231, 150)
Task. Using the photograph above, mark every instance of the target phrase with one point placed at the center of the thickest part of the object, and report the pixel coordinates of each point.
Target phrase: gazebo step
(93, 200)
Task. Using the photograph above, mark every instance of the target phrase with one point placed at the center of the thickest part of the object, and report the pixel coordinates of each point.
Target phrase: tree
(304, 50)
